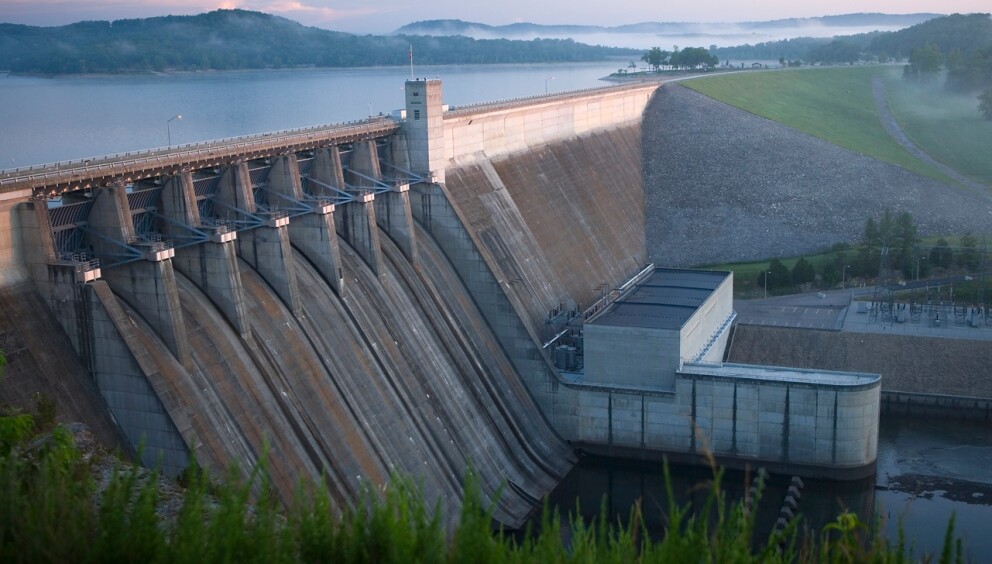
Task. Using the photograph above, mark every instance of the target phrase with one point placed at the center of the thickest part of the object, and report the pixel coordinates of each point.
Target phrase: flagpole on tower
(411, 61)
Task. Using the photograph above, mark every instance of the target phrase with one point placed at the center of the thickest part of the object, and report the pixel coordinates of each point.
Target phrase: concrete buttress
(149, 284)
(234, 193)
(315, 236)
(212, 265)
(356, 223)
(179, 203)
(39, 245)
(327, 170)
(364, 169)
(313, 233)
(284, 180)
(392, 212)
(266, 248)
(119, 364)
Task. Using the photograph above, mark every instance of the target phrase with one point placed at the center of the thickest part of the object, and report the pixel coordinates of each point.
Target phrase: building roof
(666, 299)
(784, 374)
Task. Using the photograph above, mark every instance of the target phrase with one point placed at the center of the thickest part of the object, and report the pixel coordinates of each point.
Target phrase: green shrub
(51, 510)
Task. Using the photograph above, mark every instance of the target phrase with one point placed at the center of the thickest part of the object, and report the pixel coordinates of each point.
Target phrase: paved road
(836, 310)
(815, 310)
(899, 136)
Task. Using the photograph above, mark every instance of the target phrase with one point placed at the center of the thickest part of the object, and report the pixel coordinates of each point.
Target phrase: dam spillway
(357, 302)
(314, 306)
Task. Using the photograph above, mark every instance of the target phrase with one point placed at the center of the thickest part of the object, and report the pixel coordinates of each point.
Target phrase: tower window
(416, 114)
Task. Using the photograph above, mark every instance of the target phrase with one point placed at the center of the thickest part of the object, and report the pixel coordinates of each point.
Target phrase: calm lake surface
(926, 469)
(44, 120)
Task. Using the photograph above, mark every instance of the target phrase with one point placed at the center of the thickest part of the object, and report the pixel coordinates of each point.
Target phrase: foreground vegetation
(58, 504)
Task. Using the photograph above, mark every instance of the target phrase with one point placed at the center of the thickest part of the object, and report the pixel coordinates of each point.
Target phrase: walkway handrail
(107, 165)
(470, 109)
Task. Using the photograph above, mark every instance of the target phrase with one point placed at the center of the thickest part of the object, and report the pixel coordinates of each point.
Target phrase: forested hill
(964, 33)
(459, 27)
(239, 39)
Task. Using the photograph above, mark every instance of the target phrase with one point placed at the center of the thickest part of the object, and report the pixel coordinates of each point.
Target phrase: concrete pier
(315, 235)
(393, 215)
(284, 180)
(150, 288)
(356, 224)
(179, 203)
(213, 267)
(147, 284)
(327, 169)
(267, 249)
(234, 199)
(100, 331)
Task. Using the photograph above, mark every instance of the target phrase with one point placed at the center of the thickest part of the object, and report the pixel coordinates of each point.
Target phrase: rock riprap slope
(722, 185)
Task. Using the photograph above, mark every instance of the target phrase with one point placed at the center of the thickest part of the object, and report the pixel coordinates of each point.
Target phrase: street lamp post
(546, 83)
(843, 277)
(766, 283)
(168, 127)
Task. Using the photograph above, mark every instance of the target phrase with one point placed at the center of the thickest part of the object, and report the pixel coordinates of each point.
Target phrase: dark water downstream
(927, 470)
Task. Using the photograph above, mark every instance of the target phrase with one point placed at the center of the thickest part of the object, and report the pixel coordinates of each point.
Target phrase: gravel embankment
(725, 185)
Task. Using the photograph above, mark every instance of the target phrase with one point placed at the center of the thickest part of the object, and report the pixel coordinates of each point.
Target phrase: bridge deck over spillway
(51, 180)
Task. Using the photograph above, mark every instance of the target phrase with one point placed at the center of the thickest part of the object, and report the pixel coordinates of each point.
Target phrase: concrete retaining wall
(816, 430)
(933, 405)
(919, 365)
(511, 128)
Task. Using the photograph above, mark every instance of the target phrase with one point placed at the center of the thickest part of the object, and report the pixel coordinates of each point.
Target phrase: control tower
(424, 128)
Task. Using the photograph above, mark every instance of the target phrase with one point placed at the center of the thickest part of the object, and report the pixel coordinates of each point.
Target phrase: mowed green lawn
(834, 104)
(947, 126)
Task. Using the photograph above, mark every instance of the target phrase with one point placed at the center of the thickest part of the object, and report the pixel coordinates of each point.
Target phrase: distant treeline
(239, 39)
(964, 34)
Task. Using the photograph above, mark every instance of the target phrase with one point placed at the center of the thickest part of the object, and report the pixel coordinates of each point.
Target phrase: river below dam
(928, 469)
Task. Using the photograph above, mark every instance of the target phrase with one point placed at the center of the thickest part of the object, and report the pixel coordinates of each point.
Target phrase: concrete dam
(404, 295)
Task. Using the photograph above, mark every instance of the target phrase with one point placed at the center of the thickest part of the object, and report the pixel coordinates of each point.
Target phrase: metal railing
(470, 109)
(106, 165)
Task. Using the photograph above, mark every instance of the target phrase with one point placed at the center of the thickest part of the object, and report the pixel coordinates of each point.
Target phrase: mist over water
(694, 35)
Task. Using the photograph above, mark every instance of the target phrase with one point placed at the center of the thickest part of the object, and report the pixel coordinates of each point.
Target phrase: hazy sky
(378, 16)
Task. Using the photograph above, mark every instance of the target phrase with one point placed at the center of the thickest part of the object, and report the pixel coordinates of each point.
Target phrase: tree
(985, 104)
(830, 275)
(777, 276)
(692, 58)
(803, 271)
(903, 241)
(924, 63)
(968, 254)
(655, 58)
(836, 51)
(941, 255)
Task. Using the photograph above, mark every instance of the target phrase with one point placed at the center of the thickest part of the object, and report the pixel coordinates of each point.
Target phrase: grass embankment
(947, 126)
(834, 104)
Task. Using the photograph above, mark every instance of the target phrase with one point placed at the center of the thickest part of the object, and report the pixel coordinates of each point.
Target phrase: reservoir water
(45, 120)
(927, 470)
